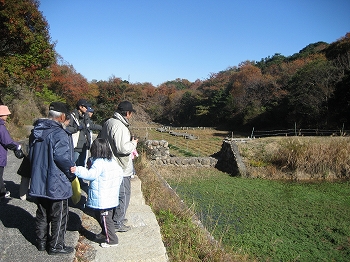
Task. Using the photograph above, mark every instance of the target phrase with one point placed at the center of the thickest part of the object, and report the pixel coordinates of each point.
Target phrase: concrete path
(142, 243)
(17, 241)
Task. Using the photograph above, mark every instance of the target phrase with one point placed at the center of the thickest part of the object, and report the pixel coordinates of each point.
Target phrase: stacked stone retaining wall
(227, 159)
(159, 154)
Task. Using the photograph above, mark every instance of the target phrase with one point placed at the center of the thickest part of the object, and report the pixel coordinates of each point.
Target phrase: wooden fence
(299, 132)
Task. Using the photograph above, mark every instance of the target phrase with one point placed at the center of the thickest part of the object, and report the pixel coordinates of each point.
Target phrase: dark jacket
(51, 156)
(73, 127)
(6, 142)
(91, 126)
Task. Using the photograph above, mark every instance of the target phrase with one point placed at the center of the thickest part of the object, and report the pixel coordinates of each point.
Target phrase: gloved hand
(80, 128)
(19, 153)
(71, 178)
(88, 163)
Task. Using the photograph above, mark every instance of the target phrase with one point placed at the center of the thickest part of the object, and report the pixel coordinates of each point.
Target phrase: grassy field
(209, 140)
(269, 220)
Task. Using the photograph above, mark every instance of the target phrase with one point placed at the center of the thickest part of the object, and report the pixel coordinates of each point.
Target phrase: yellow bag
(76, 191)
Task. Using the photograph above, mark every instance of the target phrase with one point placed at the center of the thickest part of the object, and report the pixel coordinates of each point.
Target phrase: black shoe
(61, 251)
(100, 238)
(41, 246)
(6, 194)
(122, 228)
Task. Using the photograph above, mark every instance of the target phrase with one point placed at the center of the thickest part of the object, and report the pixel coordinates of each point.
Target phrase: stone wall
(159, 154)
(227, 159)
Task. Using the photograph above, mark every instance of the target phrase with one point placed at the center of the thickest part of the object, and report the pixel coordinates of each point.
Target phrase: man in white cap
(51, 157)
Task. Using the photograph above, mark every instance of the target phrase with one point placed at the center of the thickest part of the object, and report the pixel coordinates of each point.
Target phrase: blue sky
(161, 40)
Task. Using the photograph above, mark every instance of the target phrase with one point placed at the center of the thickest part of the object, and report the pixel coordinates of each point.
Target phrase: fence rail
(298, 132)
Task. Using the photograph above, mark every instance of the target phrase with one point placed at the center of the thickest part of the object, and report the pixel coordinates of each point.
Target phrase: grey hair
(54, 114)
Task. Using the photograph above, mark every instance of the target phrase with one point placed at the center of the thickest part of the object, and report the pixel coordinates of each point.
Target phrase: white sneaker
(104, 245)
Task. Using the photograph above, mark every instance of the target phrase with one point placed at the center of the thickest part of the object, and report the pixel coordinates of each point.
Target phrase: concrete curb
(143, 242)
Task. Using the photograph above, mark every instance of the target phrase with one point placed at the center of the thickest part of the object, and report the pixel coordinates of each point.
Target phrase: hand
(19, 153)
(88, 163)
(71, 178)
(73, 169)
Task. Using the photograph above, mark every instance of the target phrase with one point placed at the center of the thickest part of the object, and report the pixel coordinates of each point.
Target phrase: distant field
(209, 140)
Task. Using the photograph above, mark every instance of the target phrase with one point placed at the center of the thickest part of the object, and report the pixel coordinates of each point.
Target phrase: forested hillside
(310, 88)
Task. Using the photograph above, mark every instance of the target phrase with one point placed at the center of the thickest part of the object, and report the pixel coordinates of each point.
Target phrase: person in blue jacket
(51, 157)
(105, 176)
(6, 142)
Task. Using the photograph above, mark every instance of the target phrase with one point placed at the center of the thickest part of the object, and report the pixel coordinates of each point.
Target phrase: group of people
(56, 160)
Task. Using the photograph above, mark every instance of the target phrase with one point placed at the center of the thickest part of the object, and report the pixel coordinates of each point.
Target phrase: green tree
(309, 92)
(340, 103)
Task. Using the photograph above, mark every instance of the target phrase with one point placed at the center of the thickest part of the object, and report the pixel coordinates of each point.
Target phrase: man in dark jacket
(51, 157)
(78, 123)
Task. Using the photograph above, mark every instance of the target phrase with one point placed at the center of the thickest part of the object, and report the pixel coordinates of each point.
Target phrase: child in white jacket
(105, 176)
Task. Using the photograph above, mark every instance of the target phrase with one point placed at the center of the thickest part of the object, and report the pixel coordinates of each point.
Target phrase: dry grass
(297, 157)
(17, 132)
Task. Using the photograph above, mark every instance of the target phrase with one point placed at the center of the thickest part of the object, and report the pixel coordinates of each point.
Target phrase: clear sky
(161, 40)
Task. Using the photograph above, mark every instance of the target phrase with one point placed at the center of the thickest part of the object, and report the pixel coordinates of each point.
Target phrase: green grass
(271, 220)
(180, 151)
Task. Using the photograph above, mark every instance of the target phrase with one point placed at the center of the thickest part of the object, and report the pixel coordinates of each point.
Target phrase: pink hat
(4, 110)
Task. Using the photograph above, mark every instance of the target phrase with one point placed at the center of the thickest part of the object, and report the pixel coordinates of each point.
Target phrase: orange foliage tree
(25, 48)
(70, 85)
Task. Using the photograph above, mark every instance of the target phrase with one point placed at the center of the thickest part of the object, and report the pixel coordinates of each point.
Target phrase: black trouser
(104, 217)
(2, 185)
(54, 212)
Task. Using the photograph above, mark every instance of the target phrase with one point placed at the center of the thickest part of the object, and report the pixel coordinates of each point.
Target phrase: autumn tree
(70, 85)
(111, 93)
(25, 48)
(339, 53)
(244, 86)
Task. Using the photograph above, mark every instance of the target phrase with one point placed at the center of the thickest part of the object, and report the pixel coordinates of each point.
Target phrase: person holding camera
(6, 142)
(116, 131)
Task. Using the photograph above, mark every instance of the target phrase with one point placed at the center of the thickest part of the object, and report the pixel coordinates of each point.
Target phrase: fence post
(295, 128)
(251, 136)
